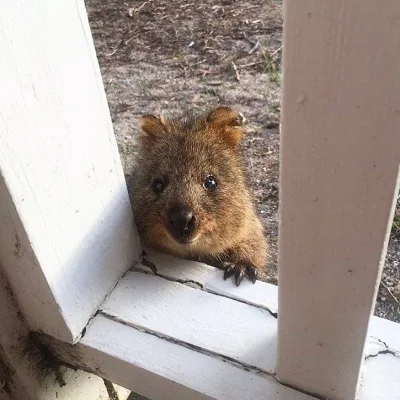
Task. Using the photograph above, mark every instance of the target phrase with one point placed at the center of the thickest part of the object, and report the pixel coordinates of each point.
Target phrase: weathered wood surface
(381, 367)
(210, 279)
(66, 226)
(161, 369)
(166, 339)
(28, 373)
(213, 323)
(340, 152)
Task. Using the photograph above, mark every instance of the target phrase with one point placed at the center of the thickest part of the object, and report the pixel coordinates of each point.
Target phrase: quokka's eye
(157, 186)
(210, 183)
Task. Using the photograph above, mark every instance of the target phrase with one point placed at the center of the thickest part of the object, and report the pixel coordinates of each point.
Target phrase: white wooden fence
(67, 236)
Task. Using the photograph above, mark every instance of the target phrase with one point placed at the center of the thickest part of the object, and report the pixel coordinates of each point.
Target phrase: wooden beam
(215, 323)
(169, 338)
(339, 175)
(260, 294)
(66, 226)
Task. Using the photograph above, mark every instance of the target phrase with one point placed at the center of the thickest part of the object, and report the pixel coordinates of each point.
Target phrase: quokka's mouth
(188, 240)
(185, 240)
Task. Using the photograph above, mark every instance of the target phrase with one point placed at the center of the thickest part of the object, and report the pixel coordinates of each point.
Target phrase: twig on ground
(251, 41)
(252, 170)
(133, 10)
(198, 63)
(255, 44)
(235, 68)
(255, 47)
(112, 53)
(215, 83)
(251, 64)
(390, 293)
(276, 51)
(122, 42)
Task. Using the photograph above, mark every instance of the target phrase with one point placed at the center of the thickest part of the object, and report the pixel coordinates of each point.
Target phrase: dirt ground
(164, 56)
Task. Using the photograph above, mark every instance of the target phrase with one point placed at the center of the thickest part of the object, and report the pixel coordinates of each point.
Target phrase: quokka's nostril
(182, 220)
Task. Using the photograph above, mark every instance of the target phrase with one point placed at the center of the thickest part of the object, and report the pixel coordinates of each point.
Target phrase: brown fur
(182, 152)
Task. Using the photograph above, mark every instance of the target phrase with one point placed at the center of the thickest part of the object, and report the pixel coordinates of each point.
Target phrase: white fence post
(66, 226)
(339, 167)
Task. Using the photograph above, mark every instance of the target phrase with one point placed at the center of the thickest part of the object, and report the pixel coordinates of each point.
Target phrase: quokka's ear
(152, 127)
(228, 123)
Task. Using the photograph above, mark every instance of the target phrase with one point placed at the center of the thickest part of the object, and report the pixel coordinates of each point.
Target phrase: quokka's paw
(240, 270)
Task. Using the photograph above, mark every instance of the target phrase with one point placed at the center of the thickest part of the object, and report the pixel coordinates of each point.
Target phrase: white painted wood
(160, 369)
(385, 330)
(381, 372)
(381, 369)
(211, 280)
(147, 341)
(214, 323)
(27, 374)
(380, 379)
(375, 345)
(340, 156)
(66, 227)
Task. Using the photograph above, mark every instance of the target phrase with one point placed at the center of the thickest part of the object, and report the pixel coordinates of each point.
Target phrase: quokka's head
(190, 194)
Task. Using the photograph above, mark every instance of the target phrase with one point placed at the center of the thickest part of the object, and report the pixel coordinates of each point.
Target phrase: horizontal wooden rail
(168, 337)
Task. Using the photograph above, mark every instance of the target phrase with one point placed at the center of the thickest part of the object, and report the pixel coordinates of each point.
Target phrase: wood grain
(340, 152)
(159, 369)
(214, 323)
(211, 280)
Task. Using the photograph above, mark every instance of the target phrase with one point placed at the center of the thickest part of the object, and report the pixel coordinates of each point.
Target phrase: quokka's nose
(181, 221)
